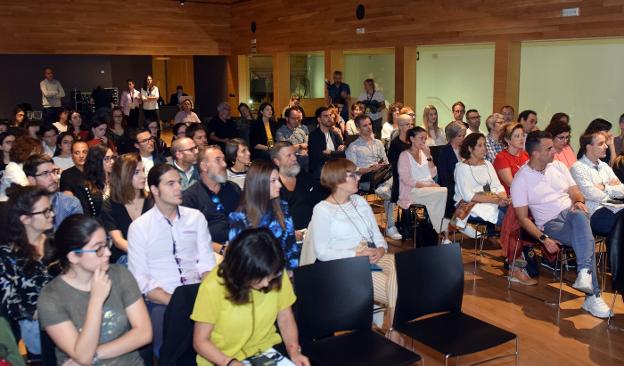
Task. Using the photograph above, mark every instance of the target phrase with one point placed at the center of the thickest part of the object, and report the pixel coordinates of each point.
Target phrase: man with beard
(42, 173)
(298, 188)
(213, 195)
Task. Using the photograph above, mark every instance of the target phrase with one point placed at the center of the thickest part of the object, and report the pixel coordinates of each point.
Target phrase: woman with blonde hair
(435, 135)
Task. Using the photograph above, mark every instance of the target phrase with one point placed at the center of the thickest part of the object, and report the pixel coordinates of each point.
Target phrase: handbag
(462, 210)
(417, 225)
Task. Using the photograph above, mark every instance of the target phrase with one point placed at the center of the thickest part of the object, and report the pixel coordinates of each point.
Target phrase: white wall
(446, 74)
(380, 67)
(583, 78)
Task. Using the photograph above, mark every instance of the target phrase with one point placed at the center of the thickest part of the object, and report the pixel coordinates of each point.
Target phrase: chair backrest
(615, 247)
(177, 347)
(308, 256)
(435, 153)
(430, 280)
(333, 296)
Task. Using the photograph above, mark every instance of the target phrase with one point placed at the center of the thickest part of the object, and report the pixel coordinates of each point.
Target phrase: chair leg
(517, 351)
(610, 324)
(561, 278)
(446, 360)
(513, 264)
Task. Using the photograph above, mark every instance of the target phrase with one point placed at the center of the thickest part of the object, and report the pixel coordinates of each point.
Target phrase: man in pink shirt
(561, 218)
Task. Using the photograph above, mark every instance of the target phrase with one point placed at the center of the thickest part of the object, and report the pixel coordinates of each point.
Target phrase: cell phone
(370, 244)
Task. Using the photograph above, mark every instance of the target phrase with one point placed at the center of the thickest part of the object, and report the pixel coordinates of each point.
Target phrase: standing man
(221, 128)
(324, 142)
(213, 195)
(474, 121)
(51, 94)
(130, 102)
(168, 246)
(339, 90)
(459, 109)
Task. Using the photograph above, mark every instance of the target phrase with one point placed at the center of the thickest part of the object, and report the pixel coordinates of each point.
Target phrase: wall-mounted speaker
(253, 27)
(360, 12)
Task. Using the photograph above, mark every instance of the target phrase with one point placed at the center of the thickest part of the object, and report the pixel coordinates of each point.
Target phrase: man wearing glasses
(42, 173)
(168, 246)
(474, 121)
(145, 144)
(213, 195)
(184, 152)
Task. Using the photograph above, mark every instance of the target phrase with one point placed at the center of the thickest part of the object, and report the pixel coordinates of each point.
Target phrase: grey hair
(453, 130)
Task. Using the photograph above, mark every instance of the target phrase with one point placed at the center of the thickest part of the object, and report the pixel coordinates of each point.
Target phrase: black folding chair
(337, 296)
(431, 280)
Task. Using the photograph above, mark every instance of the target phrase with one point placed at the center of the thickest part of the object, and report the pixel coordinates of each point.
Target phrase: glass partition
(377, 64)
(307, 75)
(261, 80)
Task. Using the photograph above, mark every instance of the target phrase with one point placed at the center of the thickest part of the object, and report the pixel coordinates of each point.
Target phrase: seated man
(41, 172)
(213, 195)
(168, 246)
(325, 142)
(369, 155)
(598, 183)
(546, 188)
(295, 133)
(198, 133)
(184, 152)
(299, 190)
(145, 144)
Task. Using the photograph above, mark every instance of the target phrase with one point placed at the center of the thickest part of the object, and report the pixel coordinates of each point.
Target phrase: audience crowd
(104, 220)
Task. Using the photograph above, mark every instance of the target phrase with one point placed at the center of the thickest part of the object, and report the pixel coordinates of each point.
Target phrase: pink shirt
(410, 173)
(566, 156)
(546, 194)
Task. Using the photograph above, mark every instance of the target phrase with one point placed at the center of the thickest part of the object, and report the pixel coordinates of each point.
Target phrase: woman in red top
(507, 164)
(509, 161)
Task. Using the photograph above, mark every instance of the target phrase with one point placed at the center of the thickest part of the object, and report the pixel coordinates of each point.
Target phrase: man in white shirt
(474, 121)
(145, 144)
(51, 94)
(598, 183)
(48, 140)
(168, 246)
(546, 188)
(369, 155)
(130, 101)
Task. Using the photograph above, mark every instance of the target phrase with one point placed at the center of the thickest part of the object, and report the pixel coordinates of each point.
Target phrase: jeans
(572, 228)
(29, 330)
(603, 220)
(157, 316)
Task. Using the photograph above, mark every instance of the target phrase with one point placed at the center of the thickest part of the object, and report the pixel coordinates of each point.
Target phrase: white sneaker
(445, 241)
(596, 306)
(584, 282)
(394, 234)
(469, 231)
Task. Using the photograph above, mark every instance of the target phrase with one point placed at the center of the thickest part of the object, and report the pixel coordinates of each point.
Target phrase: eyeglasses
(194, 148)
(353, 175)
(100, 251)
(110, 158)
(47, 173)
(46, 213)
(562, 138)
(145, 140)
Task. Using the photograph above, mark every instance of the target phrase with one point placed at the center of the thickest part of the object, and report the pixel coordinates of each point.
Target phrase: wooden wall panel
(329, 24)
(114, 27)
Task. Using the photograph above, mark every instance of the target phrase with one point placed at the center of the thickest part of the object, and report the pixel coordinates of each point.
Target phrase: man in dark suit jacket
(174, 99)
(324, 142)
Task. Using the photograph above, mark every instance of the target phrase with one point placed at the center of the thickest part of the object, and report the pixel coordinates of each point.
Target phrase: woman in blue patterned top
(261, 207)
(24, 259)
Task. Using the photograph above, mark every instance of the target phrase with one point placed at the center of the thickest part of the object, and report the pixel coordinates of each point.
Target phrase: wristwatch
(96, 360)
(543, 237)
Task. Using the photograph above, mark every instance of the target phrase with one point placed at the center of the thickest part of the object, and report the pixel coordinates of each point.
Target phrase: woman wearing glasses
(106, 320)
(251, 288)
(24, 258)
(560, 132)
(261, 206)
(128, 200)
(95, 186)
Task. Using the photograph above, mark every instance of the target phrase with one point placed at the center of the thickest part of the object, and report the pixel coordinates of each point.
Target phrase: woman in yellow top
(237, 305)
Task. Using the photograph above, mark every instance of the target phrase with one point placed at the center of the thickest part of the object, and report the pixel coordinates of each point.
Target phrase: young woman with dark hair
(160, 146)
(95, 186)
(262, 132)
(128, 200)
(150, 95)
(77, 129)
(238, 159)
(261, 206)
(106, 320)
(6, 143)
(561, 142)
(24, 258)
(63, 123)
(250, 276)
(118, 132)
(63, 157)
(19, 117)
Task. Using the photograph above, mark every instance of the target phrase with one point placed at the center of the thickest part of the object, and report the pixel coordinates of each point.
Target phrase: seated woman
(476, 181)
(106, 320)
(560, 132)
(447, 160)
(343, 225)
(63, 158)
(598, 183)
(416, 185)
(76, 128)
(63, 123)
(398, 144)
(98, 132)
(24, 259)
(357, 109)
(186, 113)
(95, 187)
(249, 281)
(261, 206)
(507, 164)
(6, 143)
(262, 132)
(23, 147)
(179, 130)
(118, 133)
(238, 159)
(160, 146)
(128, 200)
